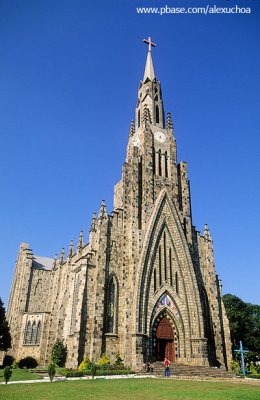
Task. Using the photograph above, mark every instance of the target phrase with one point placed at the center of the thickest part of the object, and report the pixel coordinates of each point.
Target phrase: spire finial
(149, 69)
(150, 43)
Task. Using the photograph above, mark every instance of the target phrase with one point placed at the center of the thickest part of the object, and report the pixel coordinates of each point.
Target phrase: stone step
(191, 370)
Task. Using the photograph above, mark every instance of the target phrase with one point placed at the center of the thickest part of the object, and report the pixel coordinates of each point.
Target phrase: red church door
(165, 341)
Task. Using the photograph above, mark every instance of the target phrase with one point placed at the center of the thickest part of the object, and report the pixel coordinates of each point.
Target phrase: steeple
(149, 69)
(149, 94)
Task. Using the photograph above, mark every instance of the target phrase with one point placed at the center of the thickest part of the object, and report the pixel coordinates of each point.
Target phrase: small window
(160, 162)
(176, 282)
(157, 114)
(166, 164)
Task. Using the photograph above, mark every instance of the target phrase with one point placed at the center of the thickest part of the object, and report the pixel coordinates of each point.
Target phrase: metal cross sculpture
(242, 352)
(150, 43)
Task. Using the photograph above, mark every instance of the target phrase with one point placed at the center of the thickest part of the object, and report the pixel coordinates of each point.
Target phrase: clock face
(159, 136)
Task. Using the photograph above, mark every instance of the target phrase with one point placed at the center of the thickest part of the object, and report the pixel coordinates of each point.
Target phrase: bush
(94, 370)
(74, 374)
(7, 373)
(8, 361)
(103, 360)
(51, 371)
(15, 364)
(85, 364)
(111, 372)
(59, 353)
(28, 362)
(119, 360)
(234, 366)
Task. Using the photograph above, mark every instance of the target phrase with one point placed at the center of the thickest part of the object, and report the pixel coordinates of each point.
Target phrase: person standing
(167, 367)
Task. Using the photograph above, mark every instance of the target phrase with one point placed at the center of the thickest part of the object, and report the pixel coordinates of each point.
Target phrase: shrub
(8, 361)
(74, 374)
(119, 360)
(111, 372)
(61, 371)
(59, 353)
(7, 373)
(51, 371)
(28, 362)
(85, 364)
(94, 369)
(103, 360)
(15, 364)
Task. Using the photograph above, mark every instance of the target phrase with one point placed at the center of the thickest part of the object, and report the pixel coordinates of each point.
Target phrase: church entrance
(164, 341)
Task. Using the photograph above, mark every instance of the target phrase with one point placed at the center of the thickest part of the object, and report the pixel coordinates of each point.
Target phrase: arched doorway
(164, 341)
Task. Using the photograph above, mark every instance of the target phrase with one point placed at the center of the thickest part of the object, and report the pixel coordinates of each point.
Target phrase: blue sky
(69, 75)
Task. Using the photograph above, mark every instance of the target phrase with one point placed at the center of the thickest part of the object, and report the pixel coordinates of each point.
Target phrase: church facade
(145, 284)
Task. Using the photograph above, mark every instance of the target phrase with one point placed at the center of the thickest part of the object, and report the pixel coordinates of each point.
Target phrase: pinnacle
(102, 211)
(207, 234)
(146, 117)
(71, 249)
(54, 264)
(132, 129)
(169, 124)
(93, 222)
(80, 241)
(62, 254)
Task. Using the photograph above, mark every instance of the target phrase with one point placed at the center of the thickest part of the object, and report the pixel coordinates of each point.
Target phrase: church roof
(40, 262)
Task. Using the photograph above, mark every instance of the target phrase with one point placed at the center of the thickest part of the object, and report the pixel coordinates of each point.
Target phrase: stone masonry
(144, 263)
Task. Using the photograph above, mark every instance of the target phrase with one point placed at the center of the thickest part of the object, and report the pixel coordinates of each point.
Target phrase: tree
(59, 353)
(244, 322)
(5, 337)
(7, 373)
(51, 371)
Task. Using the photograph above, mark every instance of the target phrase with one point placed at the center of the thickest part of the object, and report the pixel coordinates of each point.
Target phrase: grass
(138, 389)
(20, 375)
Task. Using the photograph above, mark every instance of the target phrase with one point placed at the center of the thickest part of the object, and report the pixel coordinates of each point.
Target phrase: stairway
(191, 371)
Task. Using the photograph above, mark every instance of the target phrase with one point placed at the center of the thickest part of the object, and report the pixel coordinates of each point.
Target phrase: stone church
(144, 285)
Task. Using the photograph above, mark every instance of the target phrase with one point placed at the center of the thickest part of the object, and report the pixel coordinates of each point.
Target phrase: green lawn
(137, 389)
(20, 375)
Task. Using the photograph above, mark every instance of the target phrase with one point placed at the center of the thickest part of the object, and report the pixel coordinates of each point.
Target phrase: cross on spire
(150, 43)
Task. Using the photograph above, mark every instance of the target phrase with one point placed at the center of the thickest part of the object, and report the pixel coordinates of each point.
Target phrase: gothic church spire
(149, 69)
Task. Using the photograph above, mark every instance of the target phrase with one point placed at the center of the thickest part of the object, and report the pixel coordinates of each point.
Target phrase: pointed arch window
(165, 257)
(111, 315)
(34, 333)
(166, 164)
(154, 161)
(176, 282)
(160, 162)
(38, 334)
(28, 333)
(160, 266)
(154, 280)
(157, 114)
(170, 263)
